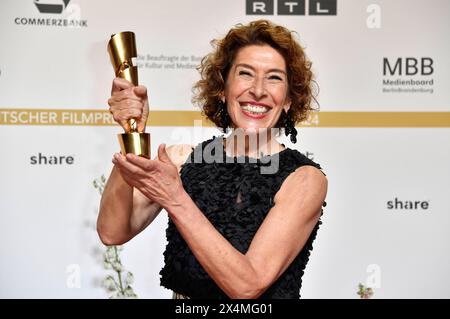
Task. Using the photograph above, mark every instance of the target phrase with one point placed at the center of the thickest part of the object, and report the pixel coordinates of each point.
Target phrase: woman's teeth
(255, 109)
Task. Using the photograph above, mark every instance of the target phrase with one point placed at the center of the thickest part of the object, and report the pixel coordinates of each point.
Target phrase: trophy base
(135, 143)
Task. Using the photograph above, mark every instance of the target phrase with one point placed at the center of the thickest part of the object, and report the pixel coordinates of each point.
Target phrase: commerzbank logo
(51, 6)
(54, 13)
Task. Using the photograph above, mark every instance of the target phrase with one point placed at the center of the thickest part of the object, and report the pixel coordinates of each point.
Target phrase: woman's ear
(222, 96)
(287, 105)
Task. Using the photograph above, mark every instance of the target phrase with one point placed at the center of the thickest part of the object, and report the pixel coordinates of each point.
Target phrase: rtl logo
(291, 7)
(408, 66)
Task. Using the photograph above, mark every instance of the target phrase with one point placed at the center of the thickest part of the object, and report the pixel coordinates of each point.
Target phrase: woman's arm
(124, 210)
(277, 242)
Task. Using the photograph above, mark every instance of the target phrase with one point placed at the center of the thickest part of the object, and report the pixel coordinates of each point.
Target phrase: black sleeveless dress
(235, 194)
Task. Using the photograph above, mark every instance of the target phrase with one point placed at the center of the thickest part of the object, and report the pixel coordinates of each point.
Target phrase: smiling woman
(283, 66)
(236, 229)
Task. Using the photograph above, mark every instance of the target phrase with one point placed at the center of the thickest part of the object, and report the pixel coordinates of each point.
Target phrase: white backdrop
(53, 77)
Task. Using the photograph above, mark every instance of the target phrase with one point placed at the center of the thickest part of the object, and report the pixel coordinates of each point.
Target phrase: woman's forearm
(116, 205)
(124, 211)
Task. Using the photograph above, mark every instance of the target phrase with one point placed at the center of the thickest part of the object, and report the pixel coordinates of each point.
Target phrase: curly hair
(215, 66)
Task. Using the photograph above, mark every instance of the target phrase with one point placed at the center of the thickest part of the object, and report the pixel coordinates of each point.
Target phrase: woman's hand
(158, 180)
(128, 102)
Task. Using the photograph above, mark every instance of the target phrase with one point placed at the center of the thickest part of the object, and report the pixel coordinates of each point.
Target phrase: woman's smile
(254, 110)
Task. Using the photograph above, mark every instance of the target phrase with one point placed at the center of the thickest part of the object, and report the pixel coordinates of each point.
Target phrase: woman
(233, 230)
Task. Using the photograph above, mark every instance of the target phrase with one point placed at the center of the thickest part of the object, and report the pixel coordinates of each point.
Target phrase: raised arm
(124, 210)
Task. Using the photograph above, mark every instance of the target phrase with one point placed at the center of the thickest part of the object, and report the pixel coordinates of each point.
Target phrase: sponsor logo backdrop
(382, 136)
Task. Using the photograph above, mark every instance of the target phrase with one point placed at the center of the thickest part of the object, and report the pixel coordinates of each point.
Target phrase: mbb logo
(291, 7)
(408, 66)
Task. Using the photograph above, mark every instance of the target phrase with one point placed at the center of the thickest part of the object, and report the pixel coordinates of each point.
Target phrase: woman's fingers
(157, 180)
(120, 84)
(129, 102)
(130, 179)
(142, 121)
(124, 165)
(115, 106)
(140, 91)
(123, 113)
(126, 94)
(133, 112)
(144, 163)
(134, 175)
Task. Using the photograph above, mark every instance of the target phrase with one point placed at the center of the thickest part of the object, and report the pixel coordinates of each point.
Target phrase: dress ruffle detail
(235, 197)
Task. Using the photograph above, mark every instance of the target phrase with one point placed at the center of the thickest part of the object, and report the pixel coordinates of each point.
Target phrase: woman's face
(256, 88)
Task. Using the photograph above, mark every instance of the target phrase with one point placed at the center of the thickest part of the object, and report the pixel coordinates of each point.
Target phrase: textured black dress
(235, 194)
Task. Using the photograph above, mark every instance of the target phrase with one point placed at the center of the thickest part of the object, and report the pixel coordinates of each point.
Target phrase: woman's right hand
(128, 102)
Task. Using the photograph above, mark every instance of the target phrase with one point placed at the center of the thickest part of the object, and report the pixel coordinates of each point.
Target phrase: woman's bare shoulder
(305, 181)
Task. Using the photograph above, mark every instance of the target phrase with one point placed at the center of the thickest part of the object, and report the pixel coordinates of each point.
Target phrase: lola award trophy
(122, 48)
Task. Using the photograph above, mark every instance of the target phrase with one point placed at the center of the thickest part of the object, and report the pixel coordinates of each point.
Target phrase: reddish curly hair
(215, 66)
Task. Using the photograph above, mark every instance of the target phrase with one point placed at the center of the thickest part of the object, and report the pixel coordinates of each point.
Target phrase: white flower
(110, 253)
(109, 283)
(130, 278)
(117, 266)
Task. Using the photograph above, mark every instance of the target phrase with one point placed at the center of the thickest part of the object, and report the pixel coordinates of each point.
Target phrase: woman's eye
(275, 77)
(244, 73)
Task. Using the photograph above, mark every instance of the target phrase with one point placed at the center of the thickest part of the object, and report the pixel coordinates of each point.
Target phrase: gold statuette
(122, 48)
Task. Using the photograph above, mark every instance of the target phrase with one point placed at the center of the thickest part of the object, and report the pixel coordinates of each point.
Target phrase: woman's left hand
(158, 179)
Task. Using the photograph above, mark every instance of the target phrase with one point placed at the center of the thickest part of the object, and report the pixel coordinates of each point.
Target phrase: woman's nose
(258, 88)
